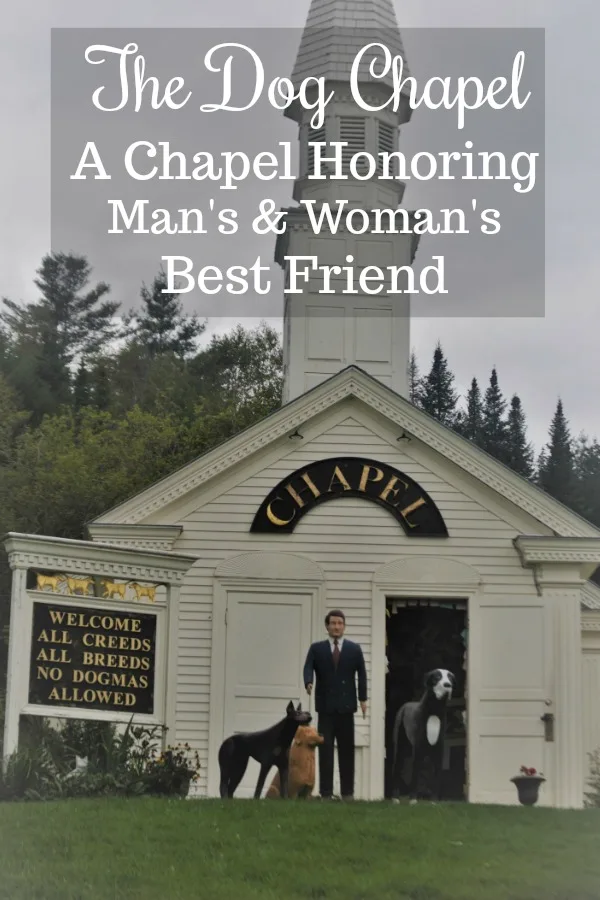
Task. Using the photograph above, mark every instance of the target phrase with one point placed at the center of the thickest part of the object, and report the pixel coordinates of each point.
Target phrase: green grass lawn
(144, 849)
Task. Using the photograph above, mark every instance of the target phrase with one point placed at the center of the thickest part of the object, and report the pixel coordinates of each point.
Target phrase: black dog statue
(269, 748)
(420, 730)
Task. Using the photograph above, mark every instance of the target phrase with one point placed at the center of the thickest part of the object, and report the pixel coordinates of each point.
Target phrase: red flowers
(527, 771)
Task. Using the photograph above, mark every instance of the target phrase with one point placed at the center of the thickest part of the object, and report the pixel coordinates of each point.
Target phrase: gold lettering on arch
(409, 509)
(309, 483)
(364, 478)
(275, 519)
(337, 473)
(391, 488)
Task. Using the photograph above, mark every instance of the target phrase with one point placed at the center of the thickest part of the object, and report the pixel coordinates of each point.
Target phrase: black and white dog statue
(419, 732)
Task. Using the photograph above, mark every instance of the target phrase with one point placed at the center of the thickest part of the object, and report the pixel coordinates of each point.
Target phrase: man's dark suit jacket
(336, 689)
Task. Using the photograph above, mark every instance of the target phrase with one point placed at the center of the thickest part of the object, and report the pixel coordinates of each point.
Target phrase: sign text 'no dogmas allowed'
(92, 659)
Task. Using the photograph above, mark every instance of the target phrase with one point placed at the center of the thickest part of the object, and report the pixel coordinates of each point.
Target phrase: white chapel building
(350, 497)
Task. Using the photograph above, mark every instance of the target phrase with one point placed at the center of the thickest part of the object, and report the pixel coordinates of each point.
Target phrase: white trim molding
(559, 560)
(142, 537)
(413, 571)
(269, 566)
(590, 620)
(63, 554)
(590, 596)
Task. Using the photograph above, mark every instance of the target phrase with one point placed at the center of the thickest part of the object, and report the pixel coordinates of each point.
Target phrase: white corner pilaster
(170, 714)
(560, 586)
(17, 680)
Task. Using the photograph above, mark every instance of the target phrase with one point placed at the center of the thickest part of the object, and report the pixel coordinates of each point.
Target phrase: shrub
(30, 774)
(118, 763)
(172, 771)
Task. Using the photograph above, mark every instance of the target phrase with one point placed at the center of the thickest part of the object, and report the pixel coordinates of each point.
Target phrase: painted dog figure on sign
(422, 726)
(269, 748)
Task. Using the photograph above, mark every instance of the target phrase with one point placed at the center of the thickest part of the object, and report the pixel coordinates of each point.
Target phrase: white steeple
(335, 31)
(325, 332)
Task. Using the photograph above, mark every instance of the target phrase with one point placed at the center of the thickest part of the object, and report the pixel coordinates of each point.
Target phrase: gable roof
(356, 383)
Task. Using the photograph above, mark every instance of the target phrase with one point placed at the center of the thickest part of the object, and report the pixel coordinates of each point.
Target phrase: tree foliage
(557, 472)
(438, 396)
(519, 451)
(470, 422)
(494, 427)
(415, 382)
(161, 326)
(70, 319)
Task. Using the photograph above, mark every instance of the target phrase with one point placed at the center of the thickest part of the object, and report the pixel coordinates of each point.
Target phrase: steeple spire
(327, 327)
(336, 30)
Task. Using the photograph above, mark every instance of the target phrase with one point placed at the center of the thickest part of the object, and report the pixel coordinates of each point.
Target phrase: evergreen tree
(161, 326)
(415, 385)
(471, 420)
(540, 466)
(12, 422)
(81, 386)
(556, 474)
(586, 464)
(439, 398)
(520, 451)
(75, 320)
(48, 334)
(494, 428)
(101, 393)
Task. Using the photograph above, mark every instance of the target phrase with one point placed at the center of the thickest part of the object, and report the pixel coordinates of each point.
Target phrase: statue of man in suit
(336, 662)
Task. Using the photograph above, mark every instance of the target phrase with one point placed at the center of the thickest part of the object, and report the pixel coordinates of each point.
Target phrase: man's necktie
(336, 653)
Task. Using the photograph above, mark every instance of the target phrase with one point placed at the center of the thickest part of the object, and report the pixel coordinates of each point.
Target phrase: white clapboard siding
(349, 538)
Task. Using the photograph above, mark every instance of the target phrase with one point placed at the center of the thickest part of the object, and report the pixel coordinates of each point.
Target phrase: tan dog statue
(301, 764)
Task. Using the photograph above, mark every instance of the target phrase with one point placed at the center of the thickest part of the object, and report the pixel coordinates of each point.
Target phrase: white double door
(267, 638)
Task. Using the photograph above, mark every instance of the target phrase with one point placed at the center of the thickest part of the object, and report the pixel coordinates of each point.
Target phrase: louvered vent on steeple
(387, 139)
(353, 131)
(315, 136)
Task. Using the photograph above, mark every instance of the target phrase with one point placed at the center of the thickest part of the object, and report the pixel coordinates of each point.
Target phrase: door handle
(548, 720)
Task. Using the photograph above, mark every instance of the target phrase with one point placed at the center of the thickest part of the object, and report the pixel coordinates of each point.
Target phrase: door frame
(222, 587)
(450, 596)
(428, 577)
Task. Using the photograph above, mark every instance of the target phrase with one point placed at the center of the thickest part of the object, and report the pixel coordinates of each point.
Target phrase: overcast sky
(539, 358)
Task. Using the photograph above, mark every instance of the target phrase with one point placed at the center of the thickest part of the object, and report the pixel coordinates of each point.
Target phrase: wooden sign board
(92, 658)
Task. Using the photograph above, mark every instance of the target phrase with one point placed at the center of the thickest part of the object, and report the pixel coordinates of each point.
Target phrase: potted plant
(173, 771)
(528, 785)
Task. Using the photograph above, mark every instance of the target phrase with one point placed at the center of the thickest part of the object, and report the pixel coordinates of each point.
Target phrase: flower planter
(528, 787)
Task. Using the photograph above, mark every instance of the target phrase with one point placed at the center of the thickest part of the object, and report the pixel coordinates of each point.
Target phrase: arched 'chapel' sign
(349, 476)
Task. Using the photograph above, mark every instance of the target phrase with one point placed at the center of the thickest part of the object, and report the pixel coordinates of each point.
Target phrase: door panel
(510, 649)
(268, 636)
(590, 695)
